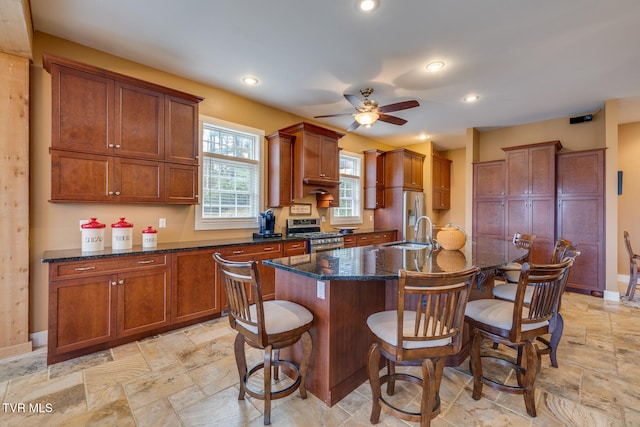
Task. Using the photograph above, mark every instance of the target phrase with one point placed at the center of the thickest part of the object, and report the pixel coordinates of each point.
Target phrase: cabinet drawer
(261, 248)
(65, 270)
(298, 247)
(350, 241)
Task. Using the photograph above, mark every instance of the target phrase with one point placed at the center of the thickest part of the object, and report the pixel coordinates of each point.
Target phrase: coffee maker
(267, 222)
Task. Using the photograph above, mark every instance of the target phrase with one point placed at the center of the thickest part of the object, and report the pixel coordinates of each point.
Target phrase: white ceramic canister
(92, 236)
(121, 235)
(149, 237)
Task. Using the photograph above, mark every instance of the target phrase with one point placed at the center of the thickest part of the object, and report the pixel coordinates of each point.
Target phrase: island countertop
(382, 262)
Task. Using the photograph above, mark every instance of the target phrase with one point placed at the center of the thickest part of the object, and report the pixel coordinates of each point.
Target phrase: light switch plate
(320, 289)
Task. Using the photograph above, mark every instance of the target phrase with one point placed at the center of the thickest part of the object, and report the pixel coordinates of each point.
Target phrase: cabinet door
(143, 301)
(138, 181)
(329, 158)
(82, 110)
(517, 216)
(80, 177)
(542, 171)
(181, 130)
(517, 172)
(489, 179)
(543, 225)
(195, 291)
(181, 183)
(280, 170)
(139, 122)
(81, 313)
(312, 154)
(295, 248)
(441, 199)
(488, 218)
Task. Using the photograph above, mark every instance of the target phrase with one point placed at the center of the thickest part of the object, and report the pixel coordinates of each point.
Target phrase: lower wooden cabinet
(97, 302)
(297, 247)
(376, 238)
(195, 293)
(256, 252)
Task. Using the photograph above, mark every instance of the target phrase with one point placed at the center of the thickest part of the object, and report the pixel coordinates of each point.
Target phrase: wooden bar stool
(423, 335)
(633, 267)
(265, 325)
(515, 325)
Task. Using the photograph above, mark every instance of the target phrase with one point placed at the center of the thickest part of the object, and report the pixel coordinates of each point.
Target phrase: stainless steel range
(309, 228)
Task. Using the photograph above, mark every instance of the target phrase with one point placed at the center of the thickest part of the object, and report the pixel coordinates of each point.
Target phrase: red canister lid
(93, 224)
(122, 224)
(149, 229)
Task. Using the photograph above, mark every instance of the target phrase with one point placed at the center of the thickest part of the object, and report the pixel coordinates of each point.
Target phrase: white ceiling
(527, 60)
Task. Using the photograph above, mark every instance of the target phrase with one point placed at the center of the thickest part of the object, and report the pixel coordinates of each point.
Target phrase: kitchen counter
(382, 262)
(62, 255)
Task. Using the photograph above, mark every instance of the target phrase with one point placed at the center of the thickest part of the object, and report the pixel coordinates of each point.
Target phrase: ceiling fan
(368, 111)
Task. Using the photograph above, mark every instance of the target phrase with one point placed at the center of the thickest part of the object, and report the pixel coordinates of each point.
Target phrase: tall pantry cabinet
(530, 175)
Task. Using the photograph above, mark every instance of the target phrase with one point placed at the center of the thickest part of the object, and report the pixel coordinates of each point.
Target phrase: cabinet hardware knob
(110, 193)
(113, 283)
(268, 249)
(110, 145)
(237, 252)
(121, 282)
(85, 268)
(117, 145)
(117, 193)
(150, 261)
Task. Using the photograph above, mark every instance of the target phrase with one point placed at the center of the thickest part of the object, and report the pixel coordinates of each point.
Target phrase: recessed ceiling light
(250, 80)
(435, 66)
(367, 5)
(471, 98)
(423, 137)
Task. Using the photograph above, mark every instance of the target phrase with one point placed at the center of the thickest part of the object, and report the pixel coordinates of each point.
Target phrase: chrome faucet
(416, 228)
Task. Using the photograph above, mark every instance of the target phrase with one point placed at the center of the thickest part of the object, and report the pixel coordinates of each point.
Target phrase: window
(230, 175)
(350, 210)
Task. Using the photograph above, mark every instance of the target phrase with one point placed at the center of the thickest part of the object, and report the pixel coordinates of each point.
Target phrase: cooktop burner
(314, 234)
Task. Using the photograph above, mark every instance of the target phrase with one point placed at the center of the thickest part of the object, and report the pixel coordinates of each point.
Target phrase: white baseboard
(611, 296)
(39, 339)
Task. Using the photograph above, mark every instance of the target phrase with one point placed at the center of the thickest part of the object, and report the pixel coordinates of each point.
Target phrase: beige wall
(55, 225)
(629, 200)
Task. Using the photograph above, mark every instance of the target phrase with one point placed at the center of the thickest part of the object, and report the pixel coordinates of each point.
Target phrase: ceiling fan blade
(399, 106)
(353, 126)
(353, 100)
(333, 115)
(392, 119)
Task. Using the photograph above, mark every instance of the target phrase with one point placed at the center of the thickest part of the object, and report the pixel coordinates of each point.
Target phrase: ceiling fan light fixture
(367, 5)
(366, 118)
(471, 98)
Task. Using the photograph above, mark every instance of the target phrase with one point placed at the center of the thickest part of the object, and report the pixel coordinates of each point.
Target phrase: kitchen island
(343, 287)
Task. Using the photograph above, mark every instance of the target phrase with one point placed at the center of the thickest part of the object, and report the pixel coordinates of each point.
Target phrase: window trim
(230, 223)
(334, 220)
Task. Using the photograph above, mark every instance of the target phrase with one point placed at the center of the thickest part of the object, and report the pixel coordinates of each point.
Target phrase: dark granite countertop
(76, 254)
(382, 262)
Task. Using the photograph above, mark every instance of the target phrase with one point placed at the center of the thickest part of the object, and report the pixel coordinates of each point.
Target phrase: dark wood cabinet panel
(489, 179)
(280, 169)
(181, 183)
(137, 181)
(403, 168)
(488, 218)
(80, 177)
(81, 314)
(441, 183)
(139, 122)
(196, 293)
(374, 179)
(82, 110)
(181, 130)
(489, 199)
(298, 247)
(143, 301)
(581, 216)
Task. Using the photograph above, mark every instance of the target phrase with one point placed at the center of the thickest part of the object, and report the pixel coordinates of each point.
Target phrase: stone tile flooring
(188, 378)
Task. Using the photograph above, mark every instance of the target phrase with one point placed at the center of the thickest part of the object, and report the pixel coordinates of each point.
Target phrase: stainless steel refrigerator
(412, 208)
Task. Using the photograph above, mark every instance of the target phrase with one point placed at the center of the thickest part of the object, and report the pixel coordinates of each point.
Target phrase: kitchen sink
(412, 246)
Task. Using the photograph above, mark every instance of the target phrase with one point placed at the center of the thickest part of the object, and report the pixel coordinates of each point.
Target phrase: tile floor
(188, 378)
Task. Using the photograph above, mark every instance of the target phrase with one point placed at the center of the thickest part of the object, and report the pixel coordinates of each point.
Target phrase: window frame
(340, 220)
(230, 223)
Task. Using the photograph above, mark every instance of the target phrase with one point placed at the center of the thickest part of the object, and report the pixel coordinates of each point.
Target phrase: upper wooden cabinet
(531, 169)
(304, 159)
(280, 169)
(95, 111)
(374, 170)
(404, 168)
(488, 199)
(441, 183)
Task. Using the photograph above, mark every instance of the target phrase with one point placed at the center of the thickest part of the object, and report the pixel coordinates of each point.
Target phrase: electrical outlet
(320, 289)
(82, 221)
(322, 218)
(162, 223)
(370, 217)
